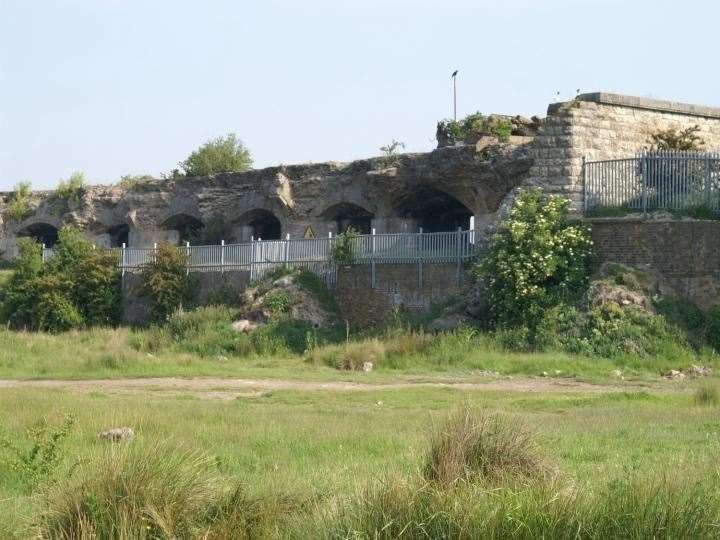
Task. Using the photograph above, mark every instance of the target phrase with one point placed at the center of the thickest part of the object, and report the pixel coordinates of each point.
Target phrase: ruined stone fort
(460, 185)
(437, 191)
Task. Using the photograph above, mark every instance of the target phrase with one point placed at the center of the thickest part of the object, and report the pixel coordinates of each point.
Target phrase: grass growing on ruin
(321, 463)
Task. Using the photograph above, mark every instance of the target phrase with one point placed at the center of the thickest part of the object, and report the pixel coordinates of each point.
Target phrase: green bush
(277, 303)
(19, 202)
(72, 188)
(535, 261)
(220, 155)
(78, 286)
(477, 124)
(343, 248)
(166, 283)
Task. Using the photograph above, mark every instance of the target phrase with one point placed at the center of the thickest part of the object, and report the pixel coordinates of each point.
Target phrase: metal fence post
(459, 256)
(222, 256)
(286, 255)
(187, 258)
(42, 253)
(584, 185)
(644, 173)
(420, 258)
(708, 179)
(122, 260)
(252, 258)
(372, 260)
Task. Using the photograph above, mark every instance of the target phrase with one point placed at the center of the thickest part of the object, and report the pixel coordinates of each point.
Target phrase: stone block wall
(603, 126)
(685, 253)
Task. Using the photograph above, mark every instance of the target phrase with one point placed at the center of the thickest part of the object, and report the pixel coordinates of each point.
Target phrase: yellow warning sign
(309, 233)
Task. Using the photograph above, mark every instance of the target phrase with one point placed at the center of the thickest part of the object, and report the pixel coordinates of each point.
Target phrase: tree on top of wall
(677, 139)
(219, 155)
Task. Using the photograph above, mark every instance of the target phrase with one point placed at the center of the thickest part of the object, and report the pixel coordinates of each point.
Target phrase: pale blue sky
(112, 87)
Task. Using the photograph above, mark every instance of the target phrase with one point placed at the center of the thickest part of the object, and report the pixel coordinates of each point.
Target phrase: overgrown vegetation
(677, 139)
(344, 247)
(130, 181)
(19, 203)
(220, 155)
(78, 286)
(475, 125)
(72, 188)
(536, 261)
(166, 283)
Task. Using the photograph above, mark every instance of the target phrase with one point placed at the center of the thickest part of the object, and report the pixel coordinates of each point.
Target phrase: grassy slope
(326, 444)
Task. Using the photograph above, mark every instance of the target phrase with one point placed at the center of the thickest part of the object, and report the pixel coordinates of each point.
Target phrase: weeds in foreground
(708, 393)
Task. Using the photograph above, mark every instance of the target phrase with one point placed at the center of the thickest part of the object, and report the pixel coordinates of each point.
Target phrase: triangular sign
(309, 233)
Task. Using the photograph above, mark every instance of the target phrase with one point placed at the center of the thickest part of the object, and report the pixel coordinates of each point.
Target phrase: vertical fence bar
(122, 260)
(584, 186)
(420, 253)
(222, 256)
(458, 248)
(252, 258)
(372, 261)
(643, 174)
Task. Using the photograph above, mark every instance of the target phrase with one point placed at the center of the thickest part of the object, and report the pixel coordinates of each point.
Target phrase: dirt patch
(226, 389)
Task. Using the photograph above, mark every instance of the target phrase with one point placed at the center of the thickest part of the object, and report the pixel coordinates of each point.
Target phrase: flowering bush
(536, 260)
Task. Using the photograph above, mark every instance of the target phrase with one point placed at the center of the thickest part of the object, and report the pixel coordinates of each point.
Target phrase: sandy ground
(220, 388)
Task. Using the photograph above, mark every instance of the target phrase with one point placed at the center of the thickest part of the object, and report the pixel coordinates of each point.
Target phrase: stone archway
(260, 224)
(432, 210)
(186, 227)
(119, 235)
(43, 233)
(347, 215)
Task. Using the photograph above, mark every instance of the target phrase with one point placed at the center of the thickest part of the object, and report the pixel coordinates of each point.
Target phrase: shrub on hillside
(344, 247)
(166, 283)
(78, 286)
(536, 260)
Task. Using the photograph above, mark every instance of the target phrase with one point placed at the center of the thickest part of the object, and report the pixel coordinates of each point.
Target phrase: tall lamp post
(454, 78)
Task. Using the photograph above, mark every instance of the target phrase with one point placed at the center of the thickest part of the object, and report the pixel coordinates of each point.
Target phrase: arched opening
(188, 227)
(346, 215)
(119, 235)
(43, 233)
(433, 210)
(261, 224)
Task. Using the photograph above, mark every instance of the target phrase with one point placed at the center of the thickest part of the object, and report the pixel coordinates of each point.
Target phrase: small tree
(536, 259)
(19, 203)
(391, 149)
(220, 155)
(165, 282)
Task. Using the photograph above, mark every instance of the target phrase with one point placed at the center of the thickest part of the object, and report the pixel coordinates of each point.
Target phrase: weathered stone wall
(407, 286)
(607, 126)
(392, 194)
(685, 253)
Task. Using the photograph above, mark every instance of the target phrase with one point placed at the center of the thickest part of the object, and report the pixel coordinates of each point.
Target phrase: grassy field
(325, 448)
(123, 352)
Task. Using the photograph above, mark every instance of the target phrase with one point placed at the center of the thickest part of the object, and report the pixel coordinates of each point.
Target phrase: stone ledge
(650, 104)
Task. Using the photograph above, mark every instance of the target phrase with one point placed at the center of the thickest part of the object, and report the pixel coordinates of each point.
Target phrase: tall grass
(473, 446)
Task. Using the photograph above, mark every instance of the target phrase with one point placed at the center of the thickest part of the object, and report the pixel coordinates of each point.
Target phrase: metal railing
(261, 256)
(672, 180)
